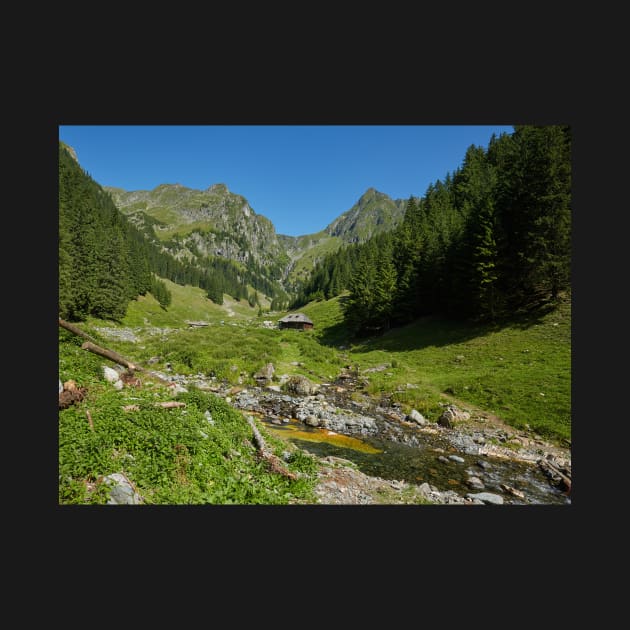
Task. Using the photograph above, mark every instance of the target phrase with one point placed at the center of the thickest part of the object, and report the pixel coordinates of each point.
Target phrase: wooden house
(295, 320)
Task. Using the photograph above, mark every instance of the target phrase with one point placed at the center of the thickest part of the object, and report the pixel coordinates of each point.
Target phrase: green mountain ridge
(218, 222)
(374, 212)
(198, 225)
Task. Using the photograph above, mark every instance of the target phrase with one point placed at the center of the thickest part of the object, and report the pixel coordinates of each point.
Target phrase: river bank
(388, 457)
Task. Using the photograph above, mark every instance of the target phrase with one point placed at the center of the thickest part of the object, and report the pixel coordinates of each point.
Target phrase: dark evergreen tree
(533, 206)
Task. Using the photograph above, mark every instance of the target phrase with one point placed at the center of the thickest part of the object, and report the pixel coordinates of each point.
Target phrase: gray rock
(300, 385)
(60, 386)
(266, 373)
(121, 493)
(416, 416)
(482, 464)
(178, 389)
(312, 421)
(451, 415)
(456, 458)
(475, 483)
(486, 497)
(110, 374)
(442, 459)
(118, 385)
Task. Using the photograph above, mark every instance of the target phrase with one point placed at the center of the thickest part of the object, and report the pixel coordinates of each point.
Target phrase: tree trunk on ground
(108, 354)
(274, 463)
(73, 329)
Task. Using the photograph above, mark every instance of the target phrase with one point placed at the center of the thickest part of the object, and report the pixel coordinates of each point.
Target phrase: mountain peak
(219, 188)
(374, 212)
(70, 150)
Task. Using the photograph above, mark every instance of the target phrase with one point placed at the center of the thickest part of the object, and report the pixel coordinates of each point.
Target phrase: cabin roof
(295, 317)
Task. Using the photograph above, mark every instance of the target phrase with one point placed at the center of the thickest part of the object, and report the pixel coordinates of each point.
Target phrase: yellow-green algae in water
(322, 435)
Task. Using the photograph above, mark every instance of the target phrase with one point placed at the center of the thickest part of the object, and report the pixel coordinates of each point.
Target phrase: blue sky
(300, 177)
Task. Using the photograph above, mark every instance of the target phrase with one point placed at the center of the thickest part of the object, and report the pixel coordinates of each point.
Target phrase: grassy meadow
(520, 372)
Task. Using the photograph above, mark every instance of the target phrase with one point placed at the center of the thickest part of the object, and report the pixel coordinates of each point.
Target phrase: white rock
(416, 416)
(178, 389)
(486, 497)
(118, 384)
(110, 375)
(60, 386)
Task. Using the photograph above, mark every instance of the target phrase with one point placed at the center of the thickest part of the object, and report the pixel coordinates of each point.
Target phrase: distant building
(295, 320)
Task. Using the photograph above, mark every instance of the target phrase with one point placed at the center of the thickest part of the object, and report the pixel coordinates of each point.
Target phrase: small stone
(513, 491)
(312, 421)
(486, 497)
(110, 374)
(475, 483)
(456, 458)
(118, 385)
(416, 416)
(122, 493)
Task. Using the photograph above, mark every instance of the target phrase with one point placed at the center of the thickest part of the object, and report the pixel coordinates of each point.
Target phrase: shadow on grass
(431, 330)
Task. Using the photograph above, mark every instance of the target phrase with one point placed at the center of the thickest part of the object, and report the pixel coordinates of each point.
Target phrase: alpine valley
(413, 351)
(197, 225)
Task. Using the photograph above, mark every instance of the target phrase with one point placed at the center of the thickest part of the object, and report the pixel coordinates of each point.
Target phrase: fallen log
(170, 404)
(554, 471)
(258, 438)
(73, 329)
(109, 354)
(92, 347)
(274, 462)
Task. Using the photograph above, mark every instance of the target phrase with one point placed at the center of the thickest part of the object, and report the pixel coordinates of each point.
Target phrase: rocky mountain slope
(211, 222)
(373, 213)
(196, 224)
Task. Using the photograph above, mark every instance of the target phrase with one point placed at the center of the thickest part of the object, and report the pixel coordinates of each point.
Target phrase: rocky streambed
(373, 453)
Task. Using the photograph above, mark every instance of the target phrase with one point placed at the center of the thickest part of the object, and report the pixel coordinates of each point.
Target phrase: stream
(419, 464)
(383, 447)
(376, 437)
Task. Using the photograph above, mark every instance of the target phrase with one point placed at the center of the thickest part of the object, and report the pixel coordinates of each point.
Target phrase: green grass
(520, 372)
(172, 456)
(327, 317)
(304, 265)
(188, 303)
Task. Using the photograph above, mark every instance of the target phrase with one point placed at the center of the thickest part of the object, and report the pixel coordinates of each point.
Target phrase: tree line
(105, 261)
(491, 239)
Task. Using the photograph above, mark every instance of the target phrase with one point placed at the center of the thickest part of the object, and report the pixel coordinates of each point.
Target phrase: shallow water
(418, 464)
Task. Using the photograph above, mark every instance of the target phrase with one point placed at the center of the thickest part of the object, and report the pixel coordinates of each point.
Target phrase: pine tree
(484, 264)
(408, 240)
(534, 210)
